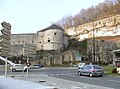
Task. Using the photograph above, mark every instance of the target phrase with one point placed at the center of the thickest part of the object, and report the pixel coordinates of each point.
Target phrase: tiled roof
(53, 26)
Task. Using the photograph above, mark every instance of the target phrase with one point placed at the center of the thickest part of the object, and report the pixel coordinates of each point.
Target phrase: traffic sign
(5, 39)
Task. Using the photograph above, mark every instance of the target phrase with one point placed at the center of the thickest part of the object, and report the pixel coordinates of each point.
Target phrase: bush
(114, 70)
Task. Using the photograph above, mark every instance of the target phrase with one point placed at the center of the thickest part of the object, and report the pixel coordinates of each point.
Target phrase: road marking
(62, 74)
(51, 74)
(72, 73)
(114, 81)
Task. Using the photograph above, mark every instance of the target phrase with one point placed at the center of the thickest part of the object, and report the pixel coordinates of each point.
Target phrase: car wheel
(25, 70)
(101, 75)
(91, 75)
(13, 70)
(79, 73)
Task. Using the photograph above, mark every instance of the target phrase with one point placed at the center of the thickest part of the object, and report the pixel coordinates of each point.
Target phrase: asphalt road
(71, 74)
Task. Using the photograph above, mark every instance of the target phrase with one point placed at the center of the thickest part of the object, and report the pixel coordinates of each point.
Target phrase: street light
(93, 42)
(93, 39)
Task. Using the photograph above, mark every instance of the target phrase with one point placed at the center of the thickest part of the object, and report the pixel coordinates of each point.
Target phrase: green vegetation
(108, 70)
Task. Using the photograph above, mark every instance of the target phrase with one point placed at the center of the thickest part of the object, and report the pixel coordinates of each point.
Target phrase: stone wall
(23, 38)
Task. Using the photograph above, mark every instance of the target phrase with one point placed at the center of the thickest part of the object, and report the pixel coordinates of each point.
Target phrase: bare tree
(102, 10)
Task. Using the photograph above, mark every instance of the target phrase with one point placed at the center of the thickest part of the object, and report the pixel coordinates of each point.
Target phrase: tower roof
(53, 26)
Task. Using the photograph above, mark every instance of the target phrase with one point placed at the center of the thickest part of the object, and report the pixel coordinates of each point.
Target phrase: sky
(30, 16)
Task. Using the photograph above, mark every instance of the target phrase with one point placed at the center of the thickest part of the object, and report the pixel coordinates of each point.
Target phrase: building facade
(51, 38)
(23, 45)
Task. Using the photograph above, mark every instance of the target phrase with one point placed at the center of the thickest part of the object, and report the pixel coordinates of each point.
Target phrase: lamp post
(93, 42)
(53, 52)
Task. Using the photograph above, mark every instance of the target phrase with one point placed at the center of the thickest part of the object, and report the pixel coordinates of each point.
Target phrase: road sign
(5, 39)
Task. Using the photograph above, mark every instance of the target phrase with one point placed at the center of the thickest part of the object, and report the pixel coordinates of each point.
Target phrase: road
(71, 74)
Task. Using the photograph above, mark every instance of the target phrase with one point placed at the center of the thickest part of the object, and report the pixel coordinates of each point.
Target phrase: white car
(18, 67)
(80, 65)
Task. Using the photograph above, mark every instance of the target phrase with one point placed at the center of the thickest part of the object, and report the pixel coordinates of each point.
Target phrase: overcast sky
(30, 16)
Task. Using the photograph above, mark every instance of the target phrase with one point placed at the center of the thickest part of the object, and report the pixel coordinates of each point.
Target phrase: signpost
(5, 42)
(29, 51)
(6, 68)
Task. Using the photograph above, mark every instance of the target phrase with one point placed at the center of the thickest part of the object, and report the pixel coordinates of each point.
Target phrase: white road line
(51, 74)
(57, 74)
(114, 81)
(72, 73)
(62, 74)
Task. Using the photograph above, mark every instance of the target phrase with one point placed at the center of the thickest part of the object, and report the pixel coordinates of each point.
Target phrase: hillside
(106, 27)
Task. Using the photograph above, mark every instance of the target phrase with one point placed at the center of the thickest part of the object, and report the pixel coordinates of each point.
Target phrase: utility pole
(93, 42)
(53, 52)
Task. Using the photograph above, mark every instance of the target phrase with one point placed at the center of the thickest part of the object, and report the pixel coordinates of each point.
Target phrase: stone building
(50, 41)
(43, 43)
(51, 38)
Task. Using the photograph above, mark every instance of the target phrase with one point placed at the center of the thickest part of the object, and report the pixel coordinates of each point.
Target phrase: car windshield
(96, 67)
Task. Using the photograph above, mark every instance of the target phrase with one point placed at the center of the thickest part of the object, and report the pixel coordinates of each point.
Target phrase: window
(96, 67)
(99, 23)
(55, 33)
(39, 42)
(89, 67)
(48, 40)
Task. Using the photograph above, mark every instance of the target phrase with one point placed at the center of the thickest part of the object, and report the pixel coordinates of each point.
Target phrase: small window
(89, 67)
(48, 40)
(41, 36)
(39, 42)
(55, 33)
(99, 23)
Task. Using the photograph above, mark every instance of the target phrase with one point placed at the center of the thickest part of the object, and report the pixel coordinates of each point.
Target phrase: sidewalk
(11, 83)
(59, 83)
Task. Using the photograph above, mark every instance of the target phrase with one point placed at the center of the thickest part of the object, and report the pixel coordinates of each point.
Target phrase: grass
(108, 70)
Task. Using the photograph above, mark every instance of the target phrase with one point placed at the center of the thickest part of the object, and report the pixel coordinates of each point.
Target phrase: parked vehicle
(36, 66)
(91, 70)
(80, 65)
(18, 67)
